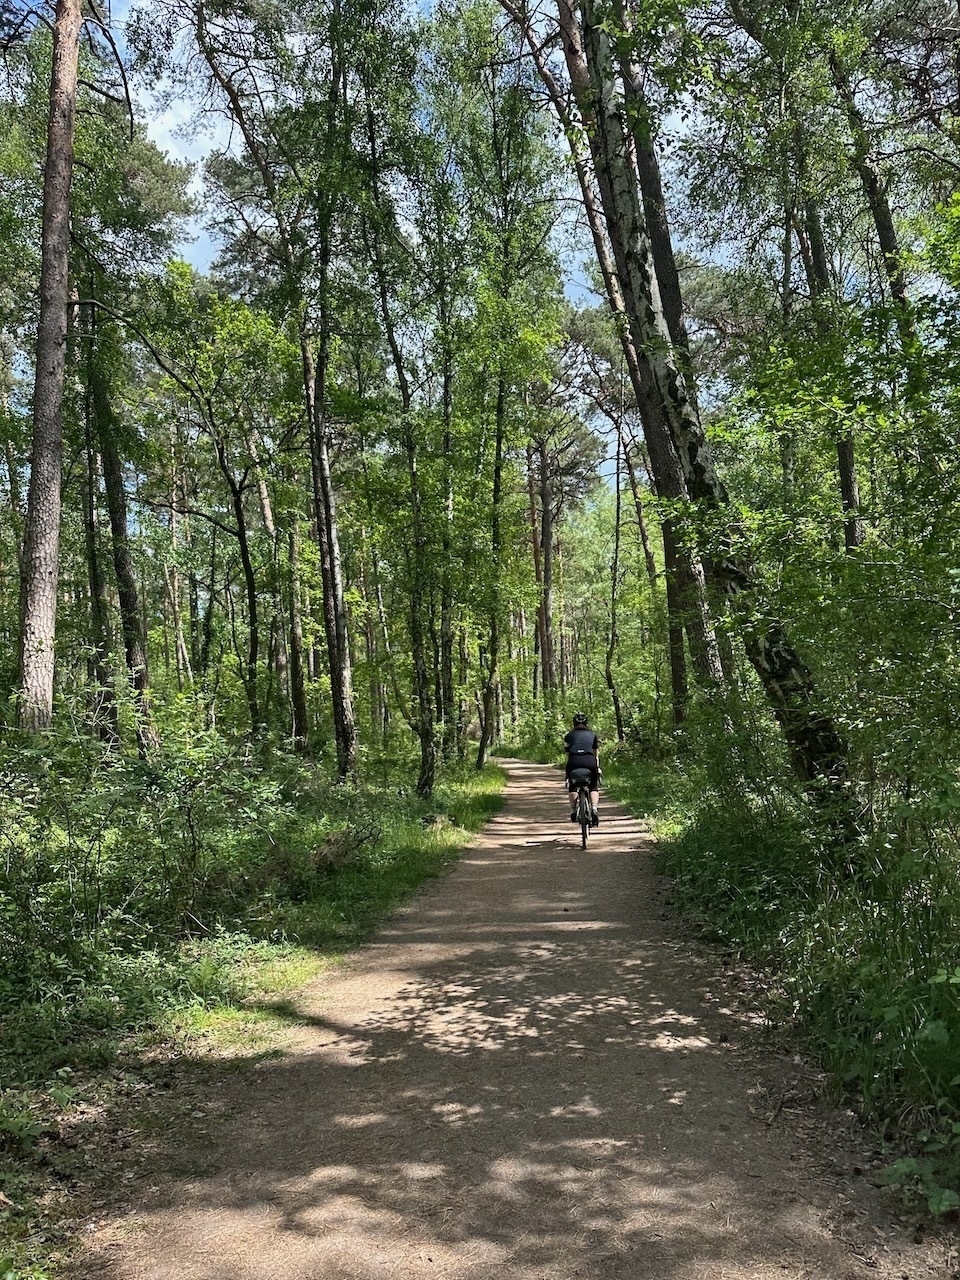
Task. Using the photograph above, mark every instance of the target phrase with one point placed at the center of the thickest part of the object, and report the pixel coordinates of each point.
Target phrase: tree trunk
(613, 637)
(488, 727)
(818, 752)
(280, 657)
(666, 468)
(865, 166)
(206, 628)
(818, 282)
(548, 656)
(128, 594)
(331, 573)
(172, 576)
(447, 704)
(514, 685)
(41, 551)
(673, 580)
(172, 584)
(298, 694)
(423, 711)
(648, 556)
(679, 687)
(104, 705)
(540, 683)
(249, 665)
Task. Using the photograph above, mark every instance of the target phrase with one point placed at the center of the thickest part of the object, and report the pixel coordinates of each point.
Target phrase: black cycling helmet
(579, 720)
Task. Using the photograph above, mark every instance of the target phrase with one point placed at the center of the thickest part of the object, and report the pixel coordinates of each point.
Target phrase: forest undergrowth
(148, 907)
(863, 964)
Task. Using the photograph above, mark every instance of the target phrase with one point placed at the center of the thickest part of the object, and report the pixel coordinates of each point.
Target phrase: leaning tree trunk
(665, 465)
(41, 551)
(817, 750)
(874, 190)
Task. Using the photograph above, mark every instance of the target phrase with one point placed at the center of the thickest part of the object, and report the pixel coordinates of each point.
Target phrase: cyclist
(583, 752)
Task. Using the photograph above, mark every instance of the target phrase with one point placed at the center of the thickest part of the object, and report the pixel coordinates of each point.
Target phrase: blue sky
(173, 127)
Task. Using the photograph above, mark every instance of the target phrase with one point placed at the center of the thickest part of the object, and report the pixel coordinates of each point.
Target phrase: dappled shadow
(522, 1076)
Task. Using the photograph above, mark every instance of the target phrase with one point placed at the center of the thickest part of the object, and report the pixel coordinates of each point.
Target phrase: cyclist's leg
(572, 795)
(595, 794)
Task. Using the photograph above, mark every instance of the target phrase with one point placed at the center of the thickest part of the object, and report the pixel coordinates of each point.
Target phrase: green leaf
(942, 1200)
(935, 1032)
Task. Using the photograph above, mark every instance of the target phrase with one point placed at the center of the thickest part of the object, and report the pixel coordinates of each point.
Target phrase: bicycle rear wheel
(585, 816)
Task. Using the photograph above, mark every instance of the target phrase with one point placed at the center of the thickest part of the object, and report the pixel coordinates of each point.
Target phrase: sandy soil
(532, 1073)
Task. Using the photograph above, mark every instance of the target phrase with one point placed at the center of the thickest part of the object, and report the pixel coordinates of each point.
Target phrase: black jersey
(581, 744)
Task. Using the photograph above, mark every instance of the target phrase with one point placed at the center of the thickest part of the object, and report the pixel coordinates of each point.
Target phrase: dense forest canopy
(383, 491)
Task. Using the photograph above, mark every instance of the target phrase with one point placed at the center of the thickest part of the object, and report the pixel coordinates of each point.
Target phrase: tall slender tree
(41, 544)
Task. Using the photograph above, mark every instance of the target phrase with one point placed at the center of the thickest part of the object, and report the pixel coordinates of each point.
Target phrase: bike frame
(584, 811)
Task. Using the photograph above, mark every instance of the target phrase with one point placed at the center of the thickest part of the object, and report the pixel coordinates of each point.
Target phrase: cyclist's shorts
(576, 772)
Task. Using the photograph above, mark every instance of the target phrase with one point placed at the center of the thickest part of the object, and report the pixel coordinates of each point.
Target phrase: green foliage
(127, 887)
(866, 964)
(151, 902)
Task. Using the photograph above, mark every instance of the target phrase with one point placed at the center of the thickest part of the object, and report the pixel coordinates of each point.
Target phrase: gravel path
(531, 1073)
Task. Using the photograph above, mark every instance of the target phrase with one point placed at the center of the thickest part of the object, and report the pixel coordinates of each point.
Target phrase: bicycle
(583, 808)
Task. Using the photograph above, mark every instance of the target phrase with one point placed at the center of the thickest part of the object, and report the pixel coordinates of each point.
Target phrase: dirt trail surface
(531, 1073)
